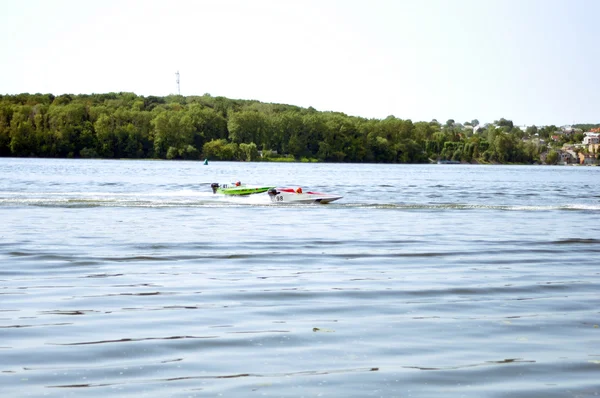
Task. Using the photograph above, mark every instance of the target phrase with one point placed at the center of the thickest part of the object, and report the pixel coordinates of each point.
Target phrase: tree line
(125, 125)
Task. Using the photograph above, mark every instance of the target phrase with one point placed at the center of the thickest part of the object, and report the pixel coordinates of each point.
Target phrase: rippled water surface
(131, 278)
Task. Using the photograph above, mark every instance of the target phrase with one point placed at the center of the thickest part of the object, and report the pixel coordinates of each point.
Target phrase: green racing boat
(237, 188)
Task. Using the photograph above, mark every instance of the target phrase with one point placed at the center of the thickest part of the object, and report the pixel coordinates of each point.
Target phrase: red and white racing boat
(291, 195)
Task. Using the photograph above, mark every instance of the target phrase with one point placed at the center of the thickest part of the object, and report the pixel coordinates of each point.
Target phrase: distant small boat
(239, 189)
(448, 162)
(291, 195)
(205, 162)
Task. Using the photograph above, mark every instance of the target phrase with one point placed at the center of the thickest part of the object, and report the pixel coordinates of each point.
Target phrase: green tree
(248, 126)
(208, 124)
(105, 136)
(5, 116)
(381, 149)
(172, 130)
(531, 131)
(248, 152)
(314, 126)
(410, 151)
(220, 150)
(337, 138)
(507, 124)
(21, 133)
(287, 126)
(547, 131)
(124, 125)
(551, 157)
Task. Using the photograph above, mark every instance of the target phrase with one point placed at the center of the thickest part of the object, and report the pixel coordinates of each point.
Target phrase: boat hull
(239, 190)
(289, 195)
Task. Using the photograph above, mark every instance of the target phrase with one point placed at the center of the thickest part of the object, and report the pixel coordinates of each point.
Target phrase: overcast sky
(530, 61)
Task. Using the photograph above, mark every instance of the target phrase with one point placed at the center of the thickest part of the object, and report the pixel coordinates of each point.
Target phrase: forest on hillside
(125, 125)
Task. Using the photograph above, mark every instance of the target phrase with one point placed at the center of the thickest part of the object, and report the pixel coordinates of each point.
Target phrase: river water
(131, 278)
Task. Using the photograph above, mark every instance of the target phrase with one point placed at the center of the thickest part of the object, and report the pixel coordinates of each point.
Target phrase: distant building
(267, 153)
(587, 158)
(571, 156)
(568, 130)
(591, 138)
(566, 157)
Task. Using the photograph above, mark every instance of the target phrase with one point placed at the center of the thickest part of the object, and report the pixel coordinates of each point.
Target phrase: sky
(529, 61)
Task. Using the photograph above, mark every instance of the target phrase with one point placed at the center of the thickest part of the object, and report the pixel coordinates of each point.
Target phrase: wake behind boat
(237, 188)
(291, 195)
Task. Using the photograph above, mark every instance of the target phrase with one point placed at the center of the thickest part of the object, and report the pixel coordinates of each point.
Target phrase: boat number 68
(279, 198)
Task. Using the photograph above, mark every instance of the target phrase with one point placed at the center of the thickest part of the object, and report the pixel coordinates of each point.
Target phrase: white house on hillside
(591, 139)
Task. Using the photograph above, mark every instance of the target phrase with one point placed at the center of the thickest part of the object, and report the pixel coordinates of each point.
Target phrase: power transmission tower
(178, 90)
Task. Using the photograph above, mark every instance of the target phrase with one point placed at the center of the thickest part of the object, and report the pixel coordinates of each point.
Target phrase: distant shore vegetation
(126, 125)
